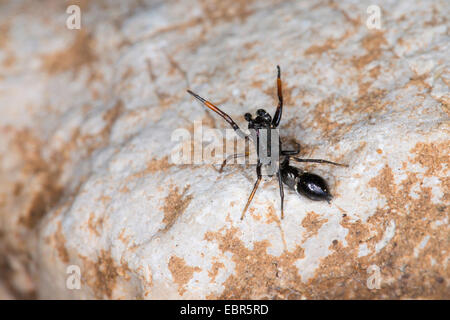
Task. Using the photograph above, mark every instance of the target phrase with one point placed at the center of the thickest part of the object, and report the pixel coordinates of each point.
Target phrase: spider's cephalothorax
(304, 183)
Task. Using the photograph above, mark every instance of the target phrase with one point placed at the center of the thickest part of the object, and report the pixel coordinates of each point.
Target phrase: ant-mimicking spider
(302, 182)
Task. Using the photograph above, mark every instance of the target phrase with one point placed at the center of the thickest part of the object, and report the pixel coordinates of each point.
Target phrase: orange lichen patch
(405, 271)
(370, 103)
(273, 216)
(329, 44)
(102, 275)
(80, 53)
(174, 205)
(360, 148)
(35, 185)
(215, 270)
(372, 43)
(181, 272)
(125, 239)
(379, 151)
(287, 93)
(91, 142)
(104, 199)
(364, 86)
(217, 10)
(124, 189)
(404, 275)
(95, 225)
(129, 72)
(312, 223)
(110, 117)
(163, 97)
(257, 273)
(257, 84)
(419, 82)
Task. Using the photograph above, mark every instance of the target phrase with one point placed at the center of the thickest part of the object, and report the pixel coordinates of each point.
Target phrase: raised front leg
(318, 161)
(280, 184)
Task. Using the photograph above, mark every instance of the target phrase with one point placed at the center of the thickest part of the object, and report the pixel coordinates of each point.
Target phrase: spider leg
(226, 117)
(255, 187)
(291, 152)
(277, 116)
(318, 161)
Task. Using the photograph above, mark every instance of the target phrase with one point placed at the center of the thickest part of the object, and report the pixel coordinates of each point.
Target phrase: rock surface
(86, 177)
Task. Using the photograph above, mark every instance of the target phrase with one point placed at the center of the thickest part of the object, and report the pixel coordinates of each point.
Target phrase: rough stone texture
(85, 171)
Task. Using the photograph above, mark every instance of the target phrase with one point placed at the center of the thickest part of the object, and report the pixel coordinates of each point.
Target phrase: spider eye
(248, 116)
(261, 112)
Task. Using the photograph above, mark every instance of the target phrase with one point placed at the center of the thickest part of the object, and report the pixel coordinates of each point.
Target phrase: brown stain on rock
(95, 225)
(5, 38)
(273, 217)
(45, 191)
(329, 44)
(181, 272)
(86, 144)
(60, 241)
(216, 266)
(174, 205)
(80, 53)
(371, 103)
(373, 43)
(153, 166)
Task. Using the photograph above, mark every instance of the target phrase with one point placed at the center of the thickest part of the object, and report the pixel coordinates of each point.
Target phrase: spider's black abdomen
(313, 187)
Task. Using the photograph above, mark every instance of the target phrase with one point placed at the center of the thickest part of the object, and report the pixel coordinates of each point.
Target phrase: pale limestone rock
(85, 172)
